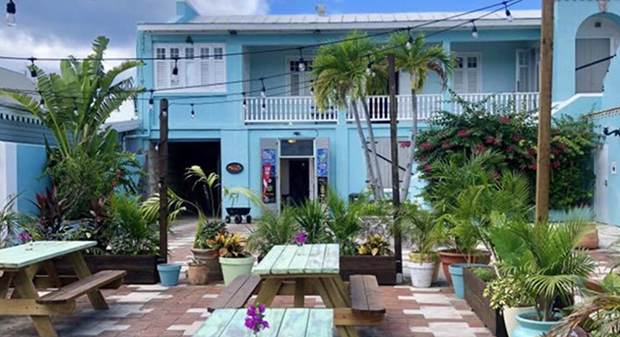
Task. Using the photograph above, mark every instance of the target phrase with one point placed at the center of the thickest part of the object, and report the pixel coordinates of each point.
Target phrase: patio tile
(426, 298)
(89, 328)
(116, 311)
(445, 329)
(188, 329)
(437, 312)
(137, 297)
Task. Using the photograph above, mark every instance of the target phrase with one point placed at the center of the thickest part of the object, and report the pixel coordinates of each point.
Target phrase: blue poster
(322, 160)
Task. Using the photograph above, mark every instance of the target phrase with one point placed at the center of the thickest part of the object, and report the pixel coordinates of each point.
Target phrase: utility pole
(163, 180)
(398, 253)
(544, 111)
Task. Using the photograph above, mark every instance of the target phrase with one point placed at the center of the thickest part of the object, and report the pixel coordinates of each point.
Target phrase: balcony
(295, 109)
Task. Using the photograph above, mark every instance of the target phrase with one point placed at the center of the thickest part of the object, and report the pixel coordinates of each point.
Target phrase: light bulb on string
(33, 70)
(508, 14)
(409, 43)
(175, 71)
(263, 90)
(474, 30)
(193, 113)
(302, 62)
(75, 107)
(312, 86)
(10, 14)
(245, 101)
(151, 101)
(263, 107)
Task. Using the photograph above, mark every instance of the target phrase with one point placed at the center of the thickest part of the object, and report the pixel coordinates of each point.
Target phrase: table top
(22, 256)
(305, 259)
(292, 322)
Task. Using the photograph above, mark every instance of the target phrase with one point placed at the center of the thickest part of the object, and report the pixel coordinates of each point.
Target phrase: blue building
(284, 137)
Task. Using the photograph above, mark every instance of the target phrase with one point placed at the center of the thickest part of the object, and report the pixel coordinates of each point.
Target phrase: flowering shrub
(513, 135)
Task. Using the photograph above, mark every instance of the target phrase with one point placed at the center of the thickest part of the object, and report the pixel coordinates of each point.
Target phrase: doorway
(295, 180)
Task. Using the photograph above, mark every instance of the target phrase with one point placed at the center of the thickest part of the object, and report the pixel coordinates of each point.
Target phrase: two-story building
(213, 69)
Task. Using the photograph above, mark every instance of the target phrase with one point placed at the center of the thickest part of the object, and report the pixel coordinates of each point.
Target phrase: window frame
(464, 56)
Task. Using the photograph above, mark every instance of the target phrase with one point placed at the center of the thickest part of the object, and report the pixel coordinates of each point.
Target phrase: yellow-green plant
(228, 245)
(375, 245)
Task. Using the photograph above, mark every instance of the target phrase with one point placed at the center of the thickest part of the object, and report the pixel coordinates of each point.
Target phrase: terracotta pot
(210, 258)
(589, 240)
(197, 274)
(448, 257)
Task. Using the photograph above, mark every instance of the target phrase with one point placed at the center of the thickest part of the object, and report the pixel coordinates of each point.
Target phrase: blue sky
(363, 6)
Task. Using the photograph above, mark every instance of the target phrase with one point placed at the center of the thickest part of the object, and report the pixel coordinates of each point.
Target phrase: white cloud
(230, 7)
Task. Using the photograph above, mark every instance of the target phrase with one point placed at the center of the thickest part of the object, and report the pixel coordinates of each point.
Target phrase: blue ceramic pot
(529, 327)
(456, 272)
(169, 273)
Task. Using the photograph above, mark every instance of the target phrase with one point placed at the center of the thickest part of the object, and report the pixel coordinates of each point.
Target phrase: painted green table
(20, 264)
(313, 268)
(293, 322)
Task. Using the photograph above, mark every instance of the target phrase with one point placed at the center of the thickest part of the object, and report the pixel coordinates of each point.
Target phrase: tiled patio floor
(153, 310)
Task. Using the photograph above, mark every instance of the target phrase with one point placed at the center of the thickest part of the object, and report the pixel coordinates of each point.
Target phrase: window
(466, 78)
(200, 67)
(527, 70)
(298, 81)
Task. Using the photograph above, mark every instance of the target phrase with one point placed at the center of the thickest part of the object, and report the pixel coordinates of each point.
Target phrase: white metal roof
(522, 18)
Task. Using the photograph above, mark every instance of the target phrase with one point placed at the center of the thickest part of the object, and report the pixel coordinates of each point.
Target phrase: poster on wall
(322, 189)
(321, 163)
(268, 176)
(322, 169)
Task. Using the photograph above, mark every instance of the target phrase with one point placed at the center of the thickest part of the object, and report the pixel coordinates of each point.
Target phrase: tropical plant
(341, 75)
(228, 245)
(485, 274)
(375, 245)
(544, 257)
(508, 291)
(312, 217)
(53, 211)
(12, 223)
(422, 228)
(130, 230)
(74, 104)
(272, 229)
(419, 60)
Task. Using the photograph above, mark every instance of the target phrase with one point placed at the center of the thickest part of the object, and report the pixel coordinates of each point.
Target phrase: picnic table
(293, 322)
(20, 264)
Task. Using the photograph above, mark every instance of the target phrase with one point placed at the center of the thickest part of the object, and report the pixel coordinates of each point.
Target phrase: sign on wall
(322, 168)
(268, 175)
(234, 168)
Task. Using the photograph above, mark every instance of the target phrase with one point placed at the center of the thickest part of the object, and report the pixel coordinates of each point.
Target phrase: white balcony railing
(303, 109)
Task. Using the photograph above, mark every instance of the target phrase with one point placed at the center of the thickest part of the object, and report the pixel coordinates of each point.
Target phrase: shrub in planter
(234, 259)
(375, 245)
(272, 229)
(509, 294)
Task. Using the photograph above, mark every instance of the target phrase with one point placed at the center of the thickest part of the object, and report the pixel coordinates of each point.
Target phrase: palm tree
(340, 71)
(75, 103)
(419, 59)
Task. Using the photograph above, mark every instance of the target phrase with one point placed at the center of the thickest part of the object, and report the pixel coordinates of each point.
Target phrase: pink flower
(510, 148)
(491, 140)
(533, 166)
(427, 168)
(425, 146)
(503, 119)
(480, 148)
(463, 132)
(494, 174)
(405, 144)
(517, 137)
(445, 144)
(300, 238)
(556, 151)
(531, 151)
(423, 159)
(555, 164)
(522, 167)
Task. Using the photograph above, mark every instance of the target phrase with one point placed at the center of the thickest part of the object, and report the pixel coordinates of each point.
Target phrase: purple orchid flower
(255, 319)
(24, 237)
(300, 238)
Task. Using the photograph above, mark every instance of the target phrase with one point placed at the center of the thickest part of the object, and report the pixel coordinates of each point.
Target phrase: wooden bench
(365, 295)
(237, 293)
(83, 287)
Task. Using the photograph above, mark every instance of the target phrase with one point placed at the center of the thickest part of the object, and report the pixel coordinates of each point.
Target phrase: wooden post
(163, 180)
(544, 111)
(395, 179)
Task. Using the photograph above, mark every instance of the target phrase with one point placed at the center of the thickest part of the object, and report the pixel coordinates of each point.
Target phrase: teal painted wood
(315, 261)
(216, 323)
(292, 322)
(283, 264)
(264, 267)
(20, 257)
(331, 264)
(320, 322)
(300, 260)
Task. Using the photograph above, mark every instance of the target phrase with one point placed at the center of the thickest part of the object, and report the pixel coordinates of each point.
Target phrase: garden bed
(492, 318)
(141, 269)
(382, 267)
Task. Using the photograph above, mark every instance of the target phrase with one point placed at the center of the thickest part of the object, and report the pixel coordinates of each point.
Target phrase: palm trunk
(373, 146)
(414, 135)
(360, 132)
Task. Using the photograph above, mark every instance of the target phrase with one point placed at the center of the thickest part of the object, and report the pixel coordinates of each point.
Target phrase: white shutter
(205, 66)
(294, 85)
(219, 68)
(458, 77)
(190, 72)
(472, 74)
(161, 74)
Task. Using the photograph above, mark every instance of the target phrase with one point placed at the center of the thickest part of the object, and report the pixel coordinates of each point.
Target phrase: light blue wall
(30, 179)
(611, 86)
(610, 213)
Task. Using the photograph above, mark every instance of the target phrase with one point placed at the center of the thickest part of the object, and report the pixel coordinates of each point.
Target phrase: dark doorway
(299, 180)
(185, 154)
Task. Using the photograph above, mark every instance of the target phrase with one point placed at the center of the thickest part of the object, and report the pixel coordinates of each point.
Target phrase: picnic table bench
(19, 265)
(292, 322)
(308, 270)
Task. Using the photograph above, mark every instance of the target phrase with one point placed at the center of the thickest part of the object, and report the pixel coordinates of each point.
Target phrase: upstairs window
(466, 78)
(202, 67)
(299, 81)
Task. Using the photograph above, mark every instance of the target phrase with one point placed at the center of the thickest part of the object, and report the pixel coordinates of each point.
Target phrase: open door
(322, 168)
(269, 172)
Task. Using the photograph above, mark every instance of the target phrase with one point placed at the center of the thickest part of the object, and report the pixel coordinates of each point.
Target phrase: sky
(58, 28)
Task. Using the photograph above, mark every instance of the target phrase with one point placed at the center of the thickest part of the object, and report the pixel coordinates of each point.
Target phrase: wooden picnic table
(293, 322)
(20, 264)
(311, 267)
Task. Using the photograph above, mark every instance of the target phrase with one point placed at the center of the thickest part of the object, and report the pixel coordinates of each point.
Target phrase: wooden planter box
(492, 319)
(141, 269)
(382, 267)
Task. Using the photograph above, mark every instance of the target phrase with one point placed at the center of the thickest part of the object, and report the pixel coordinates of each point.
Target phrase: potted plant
(509, 294)
(544, 257)
(234, 259)
(207, 230)
(424, 233)
(375, 245)
(197, 272)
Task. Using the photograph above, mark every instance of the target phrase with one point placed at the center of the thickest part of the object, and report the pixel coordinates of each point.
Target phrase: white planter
(510, 317)
(422, 274)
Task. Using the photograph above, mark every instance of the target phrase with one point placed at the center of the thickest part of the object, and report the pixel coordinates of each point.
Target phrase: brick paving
(154, 310)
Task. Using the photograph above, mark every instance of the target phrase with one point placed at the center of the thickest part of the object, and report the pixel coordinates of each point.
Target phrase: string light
(75, 107)
(10, 13)
(368, 65)
(302, 62)
(245, 101)
(175, 71)
(263, 90)
(193, 113)
(474, 30)
(151, 100)
(312, 86)
(263, 107)
(409, 42)
(508, 14)
(41, 101)
(33, 70)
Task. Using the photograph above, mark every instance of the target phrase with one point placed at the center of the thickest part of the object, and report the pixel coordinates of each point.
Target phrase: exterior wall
(21, 168)
(607, 194)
